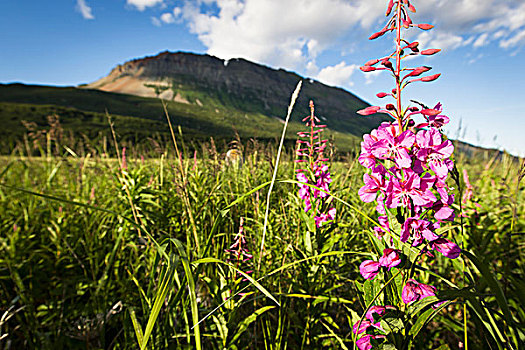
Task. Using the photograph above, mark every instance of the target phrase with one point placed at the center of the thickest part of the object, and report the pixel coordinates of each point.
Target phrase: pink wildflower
(390, 258)
(414, 291)
(369, 269)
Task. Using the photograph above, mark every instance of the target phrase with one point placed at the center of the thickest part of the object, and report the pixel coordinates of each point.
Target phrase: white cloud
(156, 22)
(84, 9)
(481, 40)
(167, 18)
(441, 40)
(295, 33)
(284, 33)
(370, 77)
(338, 75)
(142, 4)
(516, 40)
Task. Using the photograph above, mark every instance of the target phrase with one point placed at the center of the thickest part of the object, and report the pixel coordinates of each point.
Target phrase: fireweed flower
(414, 291)
(369, 269)
(408, 161)
(372, 321)
(391, 258)
(239, 254)
(314, 171)
(446, 247)
(418, 229)
(365, 343)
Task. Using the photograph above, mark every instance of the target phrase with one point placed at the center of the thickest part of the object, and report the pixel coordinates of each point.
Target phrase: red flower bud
(431, 77)
(378, 34)
(424, 26)
(416, 72)
(429, 52)
(389, 8)
(386, 63)
(371, 62)
(430, 112)
(390, 107)
(394, 91)
(413, 109)
(412, 8)
(367, 68)
(414, 46)
(381, 94)
(369, 110)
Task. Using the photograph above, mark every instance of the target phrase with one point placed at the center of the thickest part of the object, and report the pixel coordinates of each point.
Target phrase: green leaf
(162, 291)
(136, 327)
(493, 284)
(248, 320)
(392, 324)
(248, 277)
(193, 295)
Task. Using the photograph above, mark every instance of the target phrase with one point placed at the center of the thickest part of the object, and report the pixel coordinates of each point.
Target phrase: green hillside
(83, 112)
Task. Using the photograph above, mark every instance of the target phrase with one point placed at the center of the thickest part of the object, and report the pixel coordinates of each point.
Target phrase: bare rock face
(238, 83)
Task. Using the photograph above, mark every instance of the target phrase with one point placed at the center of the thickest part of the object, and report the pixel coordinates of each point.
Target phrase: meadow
(410, 241)
(105, 252)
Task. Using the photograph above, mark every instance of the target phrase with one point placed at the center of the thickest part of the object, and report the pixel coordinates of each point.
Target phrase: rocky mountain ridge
(244, 85)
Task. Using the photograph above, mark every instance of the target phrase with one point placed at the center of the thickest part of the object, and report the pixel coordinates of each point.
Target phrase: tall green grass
(96, 256)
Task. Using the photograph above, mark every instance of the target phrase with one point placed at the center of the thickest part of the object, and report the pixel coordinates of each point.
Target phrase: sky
(70, 42)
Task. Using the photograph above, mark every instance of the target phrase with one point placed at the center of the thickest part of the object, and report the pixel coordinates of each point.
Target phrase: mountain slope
(237, 83)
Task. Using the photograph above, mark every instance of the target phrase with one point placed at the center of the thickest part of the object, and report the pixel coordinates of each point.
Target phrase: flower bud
(389, 8)
(412, 8)
(381, 94)
(413, 109)
(430, 112)
(424, 26)
(367, 68)
(371, 62)
(386, 63)
(390, 107)
(369, 110)
(431, 77)
(377, 35)
(429, 52)
(418, 71)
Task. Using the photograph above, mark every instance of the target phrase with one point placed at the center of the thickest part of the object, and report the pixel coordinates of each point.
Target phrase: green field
(90, 253)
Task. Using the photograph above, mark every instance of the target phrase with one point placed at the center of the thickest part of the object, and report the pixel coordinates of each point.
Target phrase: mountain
(238, 83)
(206, 96)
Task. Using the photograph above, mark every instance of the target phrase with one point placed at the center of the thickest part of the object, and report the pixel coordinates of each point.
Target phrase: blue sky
(69, 42)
